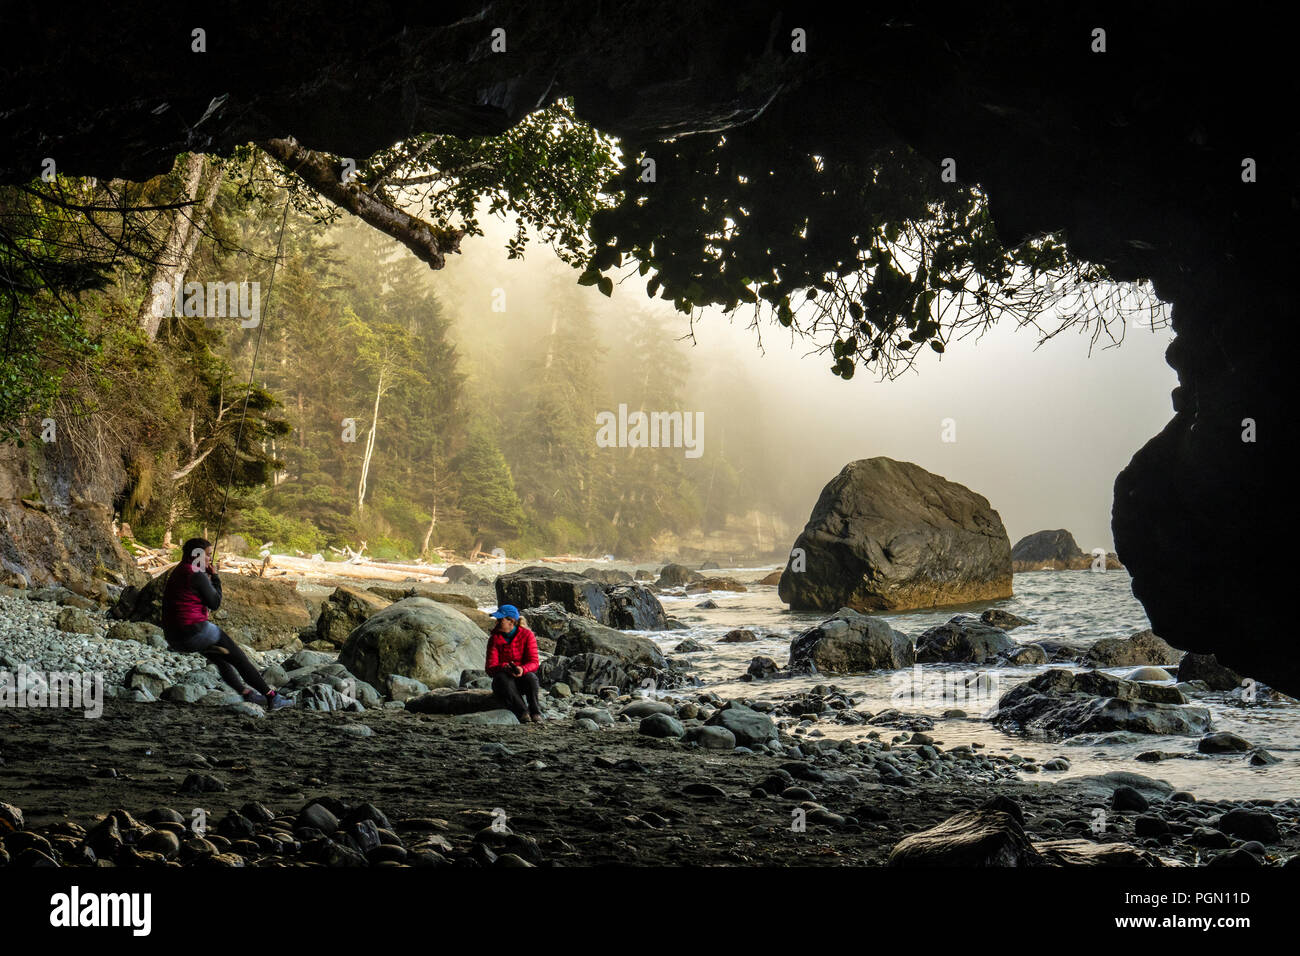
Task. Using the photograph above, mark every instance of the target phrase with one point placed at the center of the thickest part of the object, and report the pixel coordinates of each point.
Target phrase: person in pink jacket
(192, 591)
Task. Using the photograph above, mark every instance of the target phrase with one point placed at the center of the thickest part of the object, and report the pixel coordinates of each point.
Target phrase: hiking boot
(256, 697)
(279, 700)
(536, 718)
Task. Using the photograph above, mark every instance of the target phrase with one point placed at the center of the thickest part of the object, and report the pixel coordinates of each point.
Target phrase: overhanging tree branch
(321, 172)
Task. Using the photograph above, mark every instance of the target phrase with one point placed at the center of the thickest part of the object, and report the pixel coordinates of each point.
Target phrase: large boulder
(264, 613)
(888, 535)
(534, 586)
(587, 637)
(1055, 551)
(1136, 650)
(624, 604)
(346, 610)
(851, 643)
(1046, 549)
(1061, 703)
(963, 640)
(416, 637)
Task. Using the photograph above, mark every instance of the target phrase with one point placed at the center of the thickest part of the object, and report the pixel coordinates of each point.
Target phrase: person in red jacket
(512, 664)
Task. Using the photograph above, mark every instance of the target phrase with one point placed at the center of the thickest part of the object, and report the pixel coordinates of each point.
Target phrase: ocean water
(1078, 606)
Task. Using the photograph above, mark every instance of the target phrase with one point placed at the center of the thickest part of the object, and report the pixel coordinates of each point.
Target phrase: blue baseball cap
(506, 610)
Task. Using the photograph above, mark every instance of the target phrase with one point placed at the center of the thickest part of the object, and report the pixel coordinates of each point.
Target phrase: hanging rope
(257, 347)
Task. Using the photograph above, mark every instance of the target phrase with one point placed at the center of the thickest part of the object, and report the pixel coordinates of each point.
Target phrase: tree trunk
(433, 520)
(182, 240)
(370, 446)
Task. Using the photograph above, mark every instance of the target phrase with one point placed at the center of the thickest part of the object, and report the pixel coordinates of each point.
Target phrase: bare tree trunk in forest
(370, 446)
(182, 240)
(433, 520)
(172, 510)
(433, 516)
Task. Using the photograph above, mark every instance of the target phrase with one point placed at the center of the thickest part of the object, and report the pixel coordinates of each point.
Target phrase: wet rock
(633, 607)
(677, 575)
(1059, 702)
(1028, 655)
(851, 642)
(1223, 743)
(689, 646)
(1003, 620)
(963, 640)
(761, 668)
(1142, 648)
(1206, 667)
(738, 636)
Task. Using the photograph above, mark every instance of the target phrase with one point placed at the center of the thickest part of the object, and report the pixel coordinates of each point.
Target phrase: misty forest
(385, 410)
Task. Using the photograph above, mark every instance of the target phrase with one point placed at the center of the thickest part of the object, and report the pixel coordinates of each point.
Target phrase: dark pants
(216, 645)
(519, 693)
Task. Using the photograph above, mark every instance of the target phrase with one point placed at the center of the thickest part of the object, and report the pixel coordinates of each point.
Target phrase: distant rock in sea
(1055, 551)
(888, 535)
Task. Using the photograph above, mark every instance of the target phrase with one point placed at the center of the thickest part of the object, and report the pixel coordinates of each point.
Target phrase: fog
(1041, 432)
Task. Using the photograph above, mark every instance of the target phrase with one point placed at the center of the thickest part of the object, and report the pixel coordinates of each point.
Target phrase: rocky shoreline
(396, 772)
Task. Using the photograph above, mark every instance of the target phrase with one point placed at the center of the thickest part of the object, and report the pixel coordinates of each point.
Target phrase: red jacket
(520, 648)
